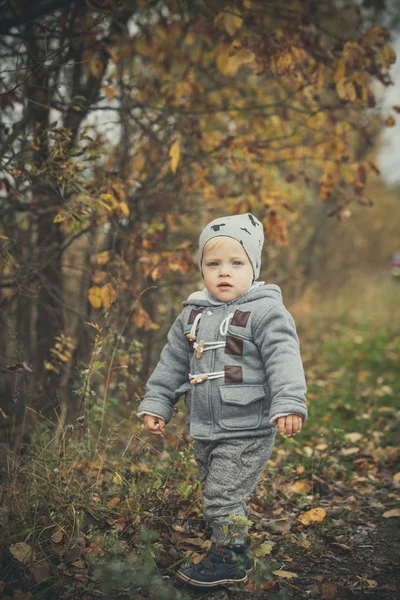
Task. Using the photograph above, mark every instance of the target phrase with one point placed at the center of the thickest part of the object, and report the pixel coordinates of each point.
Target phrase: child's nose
(224, 271)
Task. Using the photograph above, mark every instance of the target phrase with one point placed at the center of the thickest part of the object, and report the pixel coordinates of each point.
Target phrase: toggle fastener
(199, 349)
(191, 337)
(199, 379)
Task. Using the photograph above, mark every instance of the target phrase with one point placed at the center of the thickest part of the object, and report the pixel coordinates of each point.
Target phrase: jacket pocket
(241, 406)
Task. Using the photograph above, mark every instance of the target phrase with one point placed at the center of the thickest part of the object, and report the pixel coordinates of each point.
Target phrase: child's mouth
(224, 285)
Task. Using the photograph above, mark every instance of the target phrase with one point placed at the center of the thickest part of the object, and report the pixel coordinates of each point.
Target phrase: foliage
(126, 125)
(120, 513)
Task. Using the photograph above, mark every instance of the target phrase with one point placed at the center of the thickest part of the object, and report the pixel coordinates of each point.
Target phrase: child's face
(227, 270)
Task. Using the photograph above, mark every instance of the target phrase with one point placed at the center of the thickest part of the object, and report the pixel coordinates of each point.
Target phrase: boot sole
(209, 584)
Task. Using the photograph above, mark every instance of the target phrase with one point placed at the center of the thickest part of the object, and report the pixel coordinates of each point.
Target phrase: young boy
(233, 351)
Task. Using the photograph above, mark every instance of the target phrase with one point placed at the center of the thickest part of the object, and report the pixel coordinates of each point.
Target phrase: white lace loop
(200, 377)
(223, 328)
(201, 346)
(192, 333)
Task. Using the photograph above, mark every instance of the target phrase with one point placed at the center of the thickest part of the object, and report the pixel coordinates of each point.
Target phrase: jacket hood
(257, 290)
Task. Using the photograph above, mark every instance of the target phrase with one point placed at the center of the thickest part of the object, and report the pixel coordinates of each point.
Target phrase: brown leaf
(328, 590)
(113, 502)
(22, 366)
(390, 121)
(57, 535)
(40, 571)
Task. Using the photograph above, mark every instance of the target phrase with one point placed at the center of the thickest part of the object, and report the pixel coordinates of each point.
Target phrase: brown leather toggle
(200, 349)
(199, 379)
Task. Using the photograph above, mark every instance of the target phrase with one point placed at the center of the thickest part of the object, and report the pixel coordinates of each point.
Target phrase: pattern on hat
(246, 229)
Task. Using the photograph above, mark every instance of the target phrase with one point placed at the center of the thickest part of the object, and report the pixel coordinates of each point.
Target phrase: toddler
(234, 353)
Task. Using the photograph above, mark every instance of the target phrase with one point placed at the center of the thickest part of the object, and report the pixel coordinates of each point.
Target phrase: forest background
(124, 128)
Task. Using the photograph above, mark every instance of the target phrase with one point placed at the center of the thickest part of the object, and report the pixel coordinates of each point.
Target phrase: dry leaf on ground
(315, 515)
(394, 512)
(22, 552)
(285, 574)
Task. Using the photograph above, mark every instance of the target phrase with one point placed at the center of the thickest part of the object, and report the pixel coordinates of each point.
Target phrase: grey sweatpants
(229, 471)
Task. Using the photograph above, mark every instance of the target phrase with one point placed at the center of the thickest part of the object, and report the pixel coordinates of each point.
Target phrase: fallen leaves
(285, 574)
(315, 515)
(22, 552)
(262, 550)
(394, 512)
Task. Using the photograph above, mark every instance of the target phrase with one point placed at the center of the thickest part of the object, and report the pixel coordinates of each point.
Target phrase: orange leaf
(108, 295)
(103, 257)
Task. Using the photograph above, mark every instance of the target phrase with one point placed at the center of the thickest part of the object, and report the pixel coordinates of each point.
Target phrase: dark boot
(222, 565)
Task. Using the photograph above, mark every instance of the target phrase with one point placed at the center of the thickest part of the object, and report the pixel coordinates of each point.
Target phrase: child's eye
(212, 264)
(238, 262)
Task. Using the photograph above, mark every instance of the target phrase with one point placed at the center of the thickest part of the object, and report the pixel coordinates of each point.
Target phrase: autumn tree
(124, 126)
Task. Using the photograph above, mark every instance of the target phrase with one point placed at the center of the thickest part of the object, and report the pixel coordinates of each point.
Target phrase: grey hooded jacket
(262, 372)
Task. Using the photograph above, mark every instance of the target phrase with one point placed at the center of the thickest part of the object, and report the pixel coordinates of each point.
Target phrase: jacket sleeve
(166, 383)
(276, 338)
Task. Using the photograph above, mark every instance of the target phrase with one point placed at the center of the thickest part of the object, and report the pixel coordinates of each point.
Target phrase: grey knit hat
(246, 229)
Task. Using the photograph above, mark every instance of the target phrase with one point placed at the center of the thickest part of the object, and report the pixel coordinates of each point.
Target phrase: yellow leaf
(263, 550)
(95, 296)
(285, 574)
(50, 367)
(346, 89)
(315, 515)
(108, 295)
(244, 56)
(340, 70)
(394, 512)
(232, 23)
(299, 487)
(103, 257)
(390, 121)
(22, 552)
(124, 208)
(175, 153)
(223, 60)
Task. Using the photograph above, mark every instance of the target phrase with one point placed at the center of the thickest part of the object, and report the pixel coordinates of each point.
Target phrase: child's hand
(156, 425)
(291, 425)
